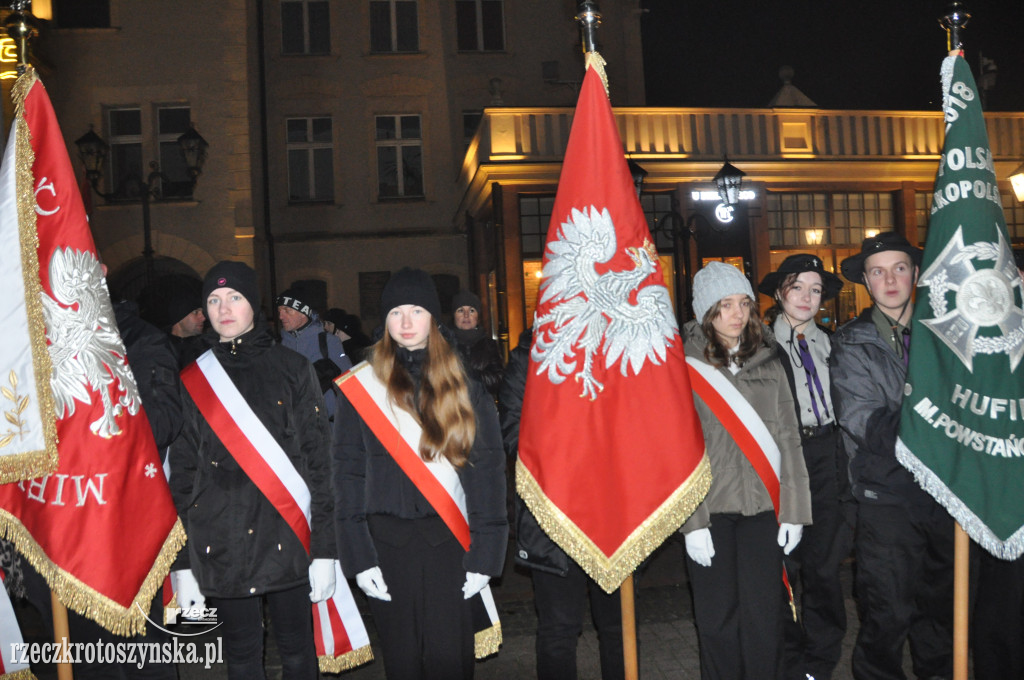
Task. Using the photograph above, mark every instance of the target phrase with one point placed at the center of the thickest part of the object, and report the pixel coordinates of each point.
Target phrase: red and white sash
(341, 638)
(748, 430)
(741, 421)
(437, 480)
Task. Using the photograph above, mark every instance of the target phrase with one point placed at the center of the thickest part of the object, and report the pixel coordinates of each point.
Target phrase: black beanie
(296, 300)
(465, 298)
(410, 287)
(236, 275)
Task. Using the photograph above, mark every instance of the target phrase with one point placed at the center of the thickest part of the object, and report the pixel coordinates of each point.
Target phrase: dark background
(866, 54)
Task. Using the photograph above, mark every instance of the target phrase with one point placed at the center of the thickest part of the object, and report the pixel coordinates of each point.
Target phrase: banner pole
(61, 636)
(961, 568)
(629, 629)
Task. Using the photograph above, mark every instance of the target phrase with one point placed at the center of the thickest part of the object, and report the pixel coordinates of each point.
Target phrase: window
(1014, 212)
(399, 156)
(172, 122)
(310, 148)
(305, 27)
(801, 220)
(470, 122)
(922, 213)
(480, 25)
(393, 26)
(82, 13)
(125, 135)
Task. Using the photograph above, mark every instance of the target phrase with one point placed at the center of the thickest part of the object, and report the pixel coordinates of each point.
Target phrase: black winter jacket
(480, 356)
(368, 481)
(867, 392)
(534, 548)
(238, 543)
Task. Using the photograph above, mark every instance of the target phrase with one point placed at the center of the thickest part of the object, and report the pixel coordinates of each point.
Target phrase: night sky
(851, 54)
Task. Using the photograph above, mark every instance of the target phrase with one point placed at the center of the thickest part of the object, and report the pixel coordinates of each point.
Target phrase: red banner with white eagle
(611, 453)
(101, 528)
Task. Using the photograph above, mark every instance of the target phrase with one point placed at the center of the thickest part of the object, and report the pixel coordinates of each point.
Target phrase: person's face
(329, 326)
(803, 299)
(190, 325)
(409, 326)
(733, 315)
(291, 319)
(230, 313)
(889, 276)
(466, 317)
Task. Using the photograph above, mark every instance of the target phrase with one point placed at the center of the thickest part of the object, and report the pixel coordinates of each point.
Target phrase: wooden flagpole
(961, 612)
(61, 636)
(629, 655)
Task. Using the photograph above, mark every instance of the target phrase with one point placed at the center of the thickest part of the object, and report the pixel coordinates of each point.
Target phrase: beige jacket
(735, 486)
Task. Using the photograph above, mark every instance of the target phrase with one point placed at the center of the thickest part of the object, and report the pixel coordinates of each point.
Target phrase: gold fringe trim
(610, 572)
(487, 641)
(595, 61)
(347, 661)
(23, 674)
(31, 464)
(83, 599)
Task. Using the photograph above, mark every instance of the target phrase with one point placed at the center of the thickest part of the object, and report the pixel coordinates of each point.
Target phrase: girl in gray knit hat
(759, 498)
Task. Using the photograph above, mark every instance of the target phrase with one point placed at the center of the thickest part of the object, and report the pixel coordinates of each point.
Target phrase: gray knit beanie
(715, 281)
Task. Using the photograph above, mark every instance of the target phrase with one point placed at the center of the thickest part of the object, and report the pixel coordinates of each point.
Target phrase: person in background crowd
(174, 304)
(302, 332)
(479, 351)
(242, 554)
(349, 329)
(393, 537)
(560, 587)
(997, 636)
(734, 537)
(904, 541)
(798, 288)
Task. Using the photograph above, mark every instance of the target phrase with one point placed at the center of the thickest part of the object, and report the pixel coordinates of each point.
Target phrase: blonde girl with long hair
(391, 538)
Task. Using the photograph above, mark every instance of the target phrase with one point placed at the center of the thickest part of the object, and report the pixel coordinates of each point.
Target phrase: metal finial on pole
(589, 17)
(21, 27)
(954, 21)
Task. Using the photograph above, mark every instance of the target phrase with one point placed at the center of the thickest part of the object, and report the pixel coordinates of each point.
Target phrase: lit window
(399, 156)
(393, 26)
(480, 25)
(534, 219)
(305, 27)
(310, 148)
(124, 126)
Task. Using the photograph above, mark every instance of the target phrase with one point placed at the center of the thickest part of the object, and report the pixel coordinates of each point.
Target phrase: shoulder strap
(323, 345)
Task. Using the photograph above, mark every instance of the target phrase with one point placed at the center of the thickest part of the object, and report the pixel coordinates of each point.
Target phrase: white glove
(789, 536)
(372, 583)
(699, 546)
(186, 589)
(321, 579)
(474, 584)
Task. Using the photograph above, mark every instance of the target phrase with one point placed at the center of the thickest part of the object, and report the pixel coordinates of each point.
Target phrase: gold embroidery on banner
(610, 572)
(487, 641)
(13, 417)
(31, 464)
(79, 597)
(347, 661)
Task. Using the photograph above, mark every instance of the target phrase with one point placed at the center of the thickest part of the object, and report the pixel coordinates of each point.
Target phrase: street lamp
(1017, 182)
(92, 150)
(728, 180)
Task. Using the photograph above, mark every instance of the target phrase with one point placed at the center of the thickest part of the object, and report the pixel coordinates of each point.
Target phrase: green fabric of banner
(962, 425)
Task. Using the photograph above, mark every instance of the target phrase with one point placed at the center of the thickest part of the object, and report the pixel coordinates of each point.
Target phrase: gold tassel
(345, 662)
(610, 572)
(23, 674)
(487, 641)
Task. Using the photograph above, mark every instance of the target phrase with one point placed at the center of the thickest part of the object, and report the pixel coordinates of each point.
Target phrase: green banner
(962, 425)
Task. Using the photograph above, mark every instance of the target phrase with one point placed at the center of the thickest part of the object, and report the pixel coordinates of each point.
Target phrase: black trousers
(997, 637)
(737, 599)
(814, 643)
(561, 603)
(291, 620)
(904, 590)
(426, 630)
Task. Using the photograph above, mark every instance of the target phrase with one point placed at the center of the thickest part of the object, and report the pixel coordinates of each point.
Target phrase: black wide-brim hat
(853, 266)
(798, 264)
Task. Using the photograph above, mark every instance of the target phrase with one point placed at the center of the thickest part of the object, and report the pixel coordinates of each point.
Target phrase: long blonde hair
(443, 409)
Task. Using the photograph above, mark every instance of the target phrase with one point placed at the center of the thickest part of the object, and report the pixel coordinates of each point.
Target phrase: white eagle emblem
(85, 346)
(593, 312)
